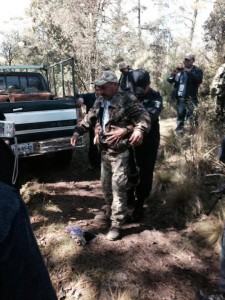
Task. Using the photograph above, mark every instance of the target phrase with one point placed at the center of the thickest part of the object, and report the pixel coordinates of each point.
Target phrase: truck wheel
(62, 158)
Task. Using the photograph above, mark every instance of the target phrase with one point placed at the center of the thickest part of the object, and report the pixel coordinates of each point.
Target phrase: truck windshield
(13, 81)
(22, 82)
(2, 83)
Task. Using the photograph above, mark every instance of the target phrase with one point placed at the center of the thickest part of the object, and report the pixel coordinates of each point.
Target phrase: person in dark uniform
(23, 274)
(146, 153)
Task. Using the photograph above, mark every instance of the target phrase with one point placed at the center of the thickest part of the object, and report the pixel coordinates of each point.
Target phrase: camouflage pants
(114, 170)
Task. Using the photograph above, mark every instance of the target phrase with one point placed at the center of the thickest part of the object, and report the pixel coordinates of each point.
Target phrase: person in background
(23, 274)
(114, 113)
(94, 155)
(218, 91)
(187, 79)
(146, 153)
(124, 80)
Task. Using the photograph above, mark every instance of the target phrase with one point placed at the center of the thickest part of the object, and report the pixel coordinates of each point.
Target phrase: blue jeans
(185, 110)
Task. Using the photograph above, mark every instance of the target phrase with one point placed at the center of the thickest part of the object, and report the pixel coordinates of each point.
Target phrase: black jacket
(194, 79)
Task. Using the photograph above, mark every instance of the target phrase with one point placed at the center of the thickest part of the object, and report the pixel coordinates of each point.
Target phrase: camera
(180, 68)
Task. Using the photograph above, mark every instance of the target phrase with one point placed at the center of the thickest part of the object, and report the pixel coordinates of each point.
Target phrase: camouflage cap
(122, 65)
(189, 56)
(107, 76)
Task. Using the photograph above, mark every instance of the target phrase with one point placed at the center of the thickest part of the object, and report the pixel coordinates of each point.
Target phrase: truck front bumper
(44, 146)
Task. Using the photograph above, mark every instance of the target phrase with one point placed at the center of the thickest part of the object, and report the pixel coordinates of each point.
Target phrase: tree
(10, 49)
(70, 28)
(215, 29)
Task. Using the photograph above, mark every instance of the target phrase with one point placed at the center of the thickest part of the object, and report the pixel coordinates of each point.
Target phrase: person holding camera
(186, 79)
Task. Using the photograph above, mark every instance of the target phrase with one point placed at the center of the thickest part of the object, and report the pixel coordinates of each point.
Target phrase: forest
(174, 252)
(99, 34)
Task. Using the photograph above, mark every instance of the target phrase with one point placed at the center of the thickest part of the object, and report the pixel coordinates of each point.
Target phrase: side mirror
(7, 129)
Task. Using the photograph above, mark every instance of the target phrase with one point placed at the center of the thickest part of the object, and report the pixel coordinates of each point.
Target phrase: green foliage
(100, 33)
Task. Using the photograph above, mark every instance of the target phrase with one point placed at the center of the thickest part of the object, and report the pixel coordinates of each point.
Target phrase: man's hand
(97, 131)
(115, 134)
(80, 101)
(136, 138)
(74, 139)
(186, 69)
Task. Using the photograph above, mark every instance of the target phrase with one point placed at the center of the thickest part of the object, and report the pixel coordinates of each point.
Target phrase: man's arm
(172, 77)
(137, 114)
(138, 117)
(85, 124)
(155, 106)
(196, 75)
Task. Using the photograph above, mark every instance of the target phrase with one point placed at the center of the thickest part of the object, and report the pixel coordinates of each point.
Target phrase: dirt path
(166, 125)
(153, 260)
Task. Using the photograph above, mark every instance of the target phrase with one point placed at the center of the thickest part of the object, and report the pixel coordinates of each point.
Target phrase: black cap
(140, 80)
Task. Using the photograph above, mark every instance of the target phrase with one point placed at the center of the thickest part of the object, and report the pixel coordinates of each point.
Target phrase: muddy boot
(113, 234)
(104, 216)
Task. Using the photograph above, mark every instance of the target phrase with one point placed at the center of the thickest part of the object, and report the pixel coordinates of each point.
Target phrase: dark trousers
(146, 155)
(185, 110)
(23, 274)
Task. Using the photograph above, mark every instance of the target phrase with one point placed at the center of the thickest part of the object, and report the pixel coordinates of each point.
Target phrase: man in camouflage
(218, 90)
(116, 113)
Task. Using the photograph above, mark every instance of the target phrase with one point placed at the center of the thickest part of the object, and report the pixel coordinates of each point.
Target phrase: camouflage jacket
(124, 109)
(218, 82)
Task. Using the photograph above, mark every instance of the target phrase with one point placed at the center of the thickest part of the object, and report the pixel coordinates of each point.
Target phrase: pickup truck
(43, 120)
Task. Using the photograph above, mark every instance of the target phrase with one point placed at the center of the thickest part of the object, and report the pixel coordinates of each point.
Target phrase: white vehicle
(42, 121)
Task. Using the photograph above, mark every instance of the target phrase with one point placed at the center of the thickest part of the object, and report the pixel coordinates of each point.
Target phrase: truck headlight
(7, 129)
